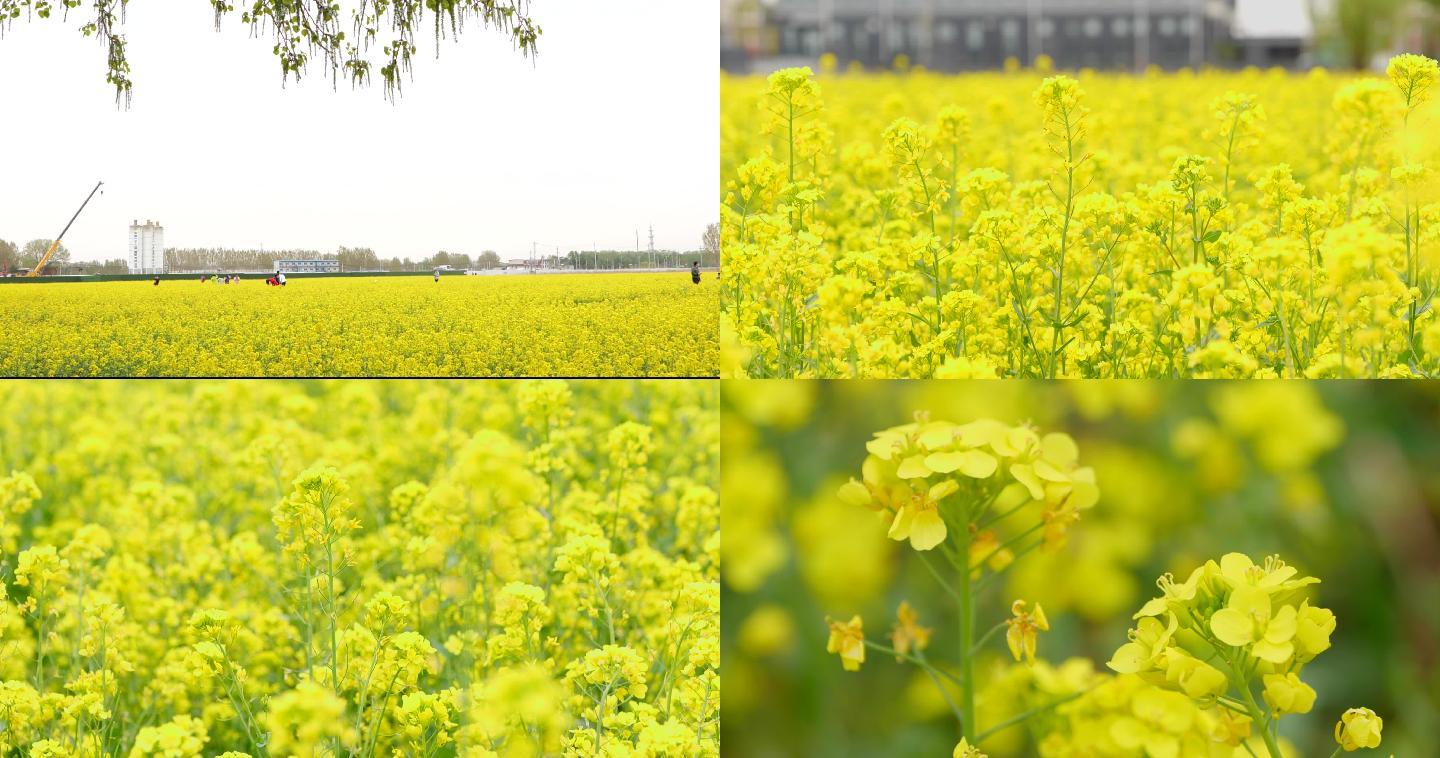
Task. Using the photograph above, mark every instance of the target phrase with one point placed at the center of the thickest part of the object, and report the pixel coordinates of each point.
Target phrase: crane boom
(56, 244)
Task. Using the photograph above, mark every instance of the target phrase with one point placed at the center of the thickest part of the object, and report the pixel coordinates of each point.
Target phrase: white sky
(613, 127)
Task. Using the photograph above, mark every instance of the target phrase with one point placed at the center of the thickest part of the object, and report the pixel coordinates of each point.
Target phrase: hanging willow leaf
(346, 41)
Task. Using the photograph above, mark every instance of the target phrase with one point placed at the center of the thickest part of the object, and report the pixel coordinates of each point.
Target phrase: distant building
(1272, 33)
(961, 35)
(147, 248)
(307, 266)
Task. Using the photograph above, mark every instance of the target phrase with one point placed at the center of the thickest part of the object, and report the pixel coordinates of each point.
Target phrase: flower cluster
(570, 325)
(900, 225)
(252, 569)
(1229, 628)
(927, 477)
(985, 493)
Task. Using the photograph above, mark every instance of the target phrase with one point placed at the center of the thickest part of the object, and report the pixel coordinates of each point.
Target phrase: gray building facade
(961, 35)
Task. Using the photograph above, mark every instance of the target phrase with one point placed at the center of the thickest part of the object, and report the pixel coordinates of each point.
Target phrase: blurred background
(1341, 479)
(759, 36)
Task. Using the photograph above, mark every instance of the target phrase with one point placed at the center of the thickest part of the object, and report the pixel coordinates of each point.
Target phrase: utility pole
(654, 262)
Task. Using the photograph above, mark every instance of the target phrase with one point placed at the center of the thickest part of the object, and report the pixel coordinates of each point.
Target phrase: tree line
(220, 259)
(14, 257)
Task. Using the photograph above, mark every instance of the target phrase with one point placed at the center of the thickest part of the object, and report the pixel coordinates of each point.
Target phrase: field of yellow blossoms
(1080, 569)
(550, 325)
(359, 569)
(1041, 224)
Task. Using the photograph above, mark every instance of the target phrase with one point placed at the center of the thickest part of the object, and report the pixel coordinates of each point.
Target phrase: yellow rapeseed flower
(1358, 728)
(848, 641)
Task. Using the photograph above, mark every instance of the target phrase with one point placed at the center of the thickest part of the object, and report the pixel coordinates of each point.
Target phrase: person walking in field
(156, 283)
(695, 271)
(437, 276)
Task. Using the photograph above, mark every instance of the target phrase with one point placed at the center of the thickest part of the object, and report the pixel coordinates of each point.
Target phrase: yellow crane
(56, 244)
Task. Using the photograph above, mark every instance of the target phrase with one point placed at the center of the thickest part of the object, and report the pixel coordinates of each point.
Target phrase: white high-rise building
(147, 248)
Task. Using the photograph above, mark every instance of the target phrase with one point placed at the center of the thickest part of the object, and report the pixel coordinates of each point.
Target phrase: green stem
(1259, 719)
(1016, 719)
(936, 573)
(967, 635)
(939, 685)
(912, 659)
(986, 637)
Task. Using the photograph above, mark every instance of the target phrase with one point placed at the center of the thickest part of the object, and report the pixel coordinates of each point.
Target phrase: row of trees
(13, 258)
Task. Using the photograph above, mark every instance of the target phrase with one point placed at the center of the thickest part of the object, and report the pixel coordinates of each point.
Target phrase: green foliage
(357, 258)
(9, 255)
(34, 250)
(1363, 27)
(349, 42)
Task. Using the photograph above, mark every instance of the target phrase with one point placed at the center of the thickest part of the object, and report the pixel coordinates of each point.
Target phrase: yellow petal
(1025, 475)
(1232, 627)
(1282, 627)
(882, 448)
(1204, 681)
(1274, 652)
(978, 465)
(1084, 495)
(1014, 638)
(913, 468)
(971, 463)
(1129, 658)
(1049, 472)
(854, 493)
(900, 527)
(944, 463)
(927, 530)
(937, 435)
(1059, 449)
(942, 490)
(1153, 607)
(1234, 565)
(1251, 601)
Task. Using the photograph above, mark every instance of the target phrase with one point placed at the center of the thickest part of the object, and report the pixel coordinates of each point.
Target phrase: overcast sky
(613, 127)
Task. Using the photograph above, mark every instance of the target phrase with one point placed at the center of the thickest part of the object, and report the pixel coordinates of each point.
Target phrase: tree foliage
(1363, 27)
(357, 258)
(34, 250)
(9, 255)
(352, 40)
(710, 241)
(225, 259)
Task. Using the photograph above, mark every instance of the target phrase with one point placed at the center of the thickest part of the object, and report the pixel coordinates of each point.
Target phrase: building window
(1167, 26)
(975, 35)
(917, 36)
(1120, 27)
(1046, 27)
(1187, 25)
(1010, 36)
(810, 41)
(947, 31)
(1094, 27)
(1142, 26)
